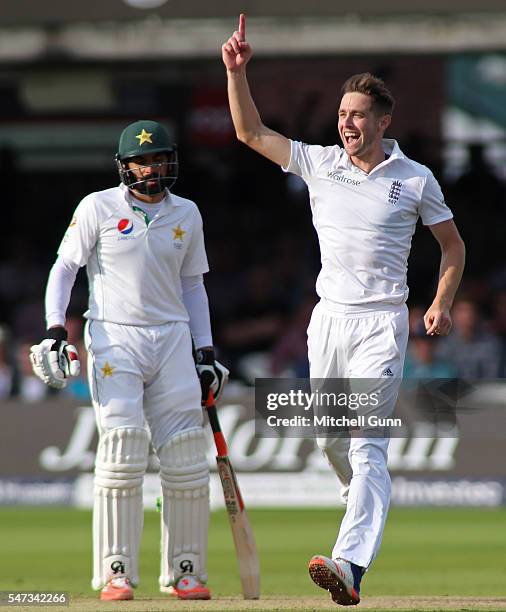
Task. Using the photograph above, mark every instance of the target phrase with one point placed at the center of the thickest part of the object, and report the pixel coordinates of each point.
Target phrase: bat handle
(219, 438)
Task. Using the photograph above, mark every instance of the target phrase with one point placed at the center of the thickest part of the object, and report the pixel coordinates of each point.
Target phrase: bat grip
(219, 438)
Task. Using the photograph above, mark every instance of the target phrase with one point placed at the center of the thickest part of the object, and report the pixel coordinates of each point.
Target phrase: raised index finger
(242, 25)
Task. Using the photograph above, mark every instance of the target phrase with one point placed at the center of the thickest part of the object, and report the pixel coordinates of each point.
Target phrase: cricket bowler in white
(366, 198)
(143, 248)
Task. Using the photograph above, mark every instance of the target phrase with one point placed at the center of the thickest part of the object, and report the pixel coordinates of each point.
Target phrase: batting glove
(54, 360)
(212, 374)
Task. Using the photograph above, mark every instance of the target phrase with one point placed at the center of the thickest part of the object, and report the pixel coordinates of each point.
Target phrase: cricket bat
(246, 550)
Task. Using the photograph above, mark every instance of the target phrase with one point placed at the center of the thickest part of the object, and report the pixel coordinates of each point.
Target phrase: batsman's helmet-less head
(146, 138)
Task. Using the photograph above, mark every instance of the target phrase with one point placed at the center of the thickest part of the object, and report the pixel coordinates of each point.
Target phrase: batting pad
(185, 517)
(122, 457)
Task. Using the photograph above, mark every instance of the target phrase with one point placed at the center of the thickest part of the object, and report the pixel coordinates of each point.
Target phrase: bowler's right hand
(54, 360)
(236, 52)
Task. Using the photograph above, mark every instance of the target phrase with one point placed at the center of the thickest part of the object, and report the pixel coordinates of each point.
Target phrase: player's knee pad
(184, 474)
(121, 461)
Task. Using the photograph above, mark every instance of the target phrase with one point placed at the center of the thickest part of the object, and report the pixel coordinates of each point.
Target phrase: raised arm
(236, 53)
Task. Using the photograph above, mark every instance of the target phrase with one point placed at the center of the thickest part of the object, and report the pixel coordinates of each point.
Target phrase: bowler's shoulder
(413, 168)
(319, 156)
(332, 153)
(318, 150)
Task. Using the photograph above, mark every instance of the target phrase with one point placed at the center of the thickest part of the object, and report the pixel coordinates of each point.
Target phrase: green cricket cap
(143, 137)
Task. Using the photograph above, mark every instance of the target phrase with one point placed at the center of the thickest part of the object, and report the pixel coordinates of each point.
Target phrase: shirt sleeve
(59, 287)
(197, 306)
(304, 159)
(195, 260)
(81, 235)
(433, 208)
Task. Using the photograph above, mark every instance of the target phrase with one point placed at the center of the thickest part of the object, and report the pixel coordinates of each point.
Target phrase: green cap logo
(143, 137)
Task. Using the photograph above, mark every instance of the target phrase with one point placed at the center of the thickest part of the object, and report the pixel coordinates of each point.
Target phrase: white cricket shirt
(134, 265)
(365, 222)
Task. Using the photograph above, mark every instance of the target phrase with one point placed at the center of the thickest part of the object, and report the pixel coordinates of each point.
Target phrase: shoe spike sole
(326, 579)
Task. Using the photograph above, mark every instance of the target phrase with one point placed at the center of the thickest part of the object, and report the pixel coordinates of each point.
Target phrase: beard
(153, 184)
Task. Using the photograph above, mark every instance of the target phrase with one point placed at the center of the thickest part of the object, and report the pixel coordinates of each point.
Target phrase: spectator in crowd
(416, 312)
(29, 388)
(255, 324)
(479, 197)
(473, 351)
(421, 360)
(499, 328)
(421, 368)
(289, 354)
(7, 372)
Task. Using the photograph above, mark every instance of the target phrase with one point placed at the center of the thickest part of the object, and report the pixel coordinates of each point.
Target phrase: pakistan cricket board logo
(178, 236)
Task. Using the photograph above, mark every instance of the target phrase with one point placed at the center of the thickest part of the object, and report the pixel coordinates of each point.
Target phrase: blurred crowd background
(57, 143)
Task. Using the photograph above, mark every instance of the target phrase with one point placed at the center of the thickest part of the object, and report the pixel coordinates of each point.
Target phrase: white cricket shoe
(341, 578)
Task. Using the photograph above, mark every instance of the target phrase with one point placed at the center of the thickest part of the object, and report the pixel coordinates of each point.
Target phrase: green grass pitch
(425, 551)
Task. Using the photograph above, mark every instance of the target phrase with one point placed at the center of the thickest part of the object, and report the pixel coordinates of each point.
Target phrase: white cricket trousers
(143, 375)
(367, 342)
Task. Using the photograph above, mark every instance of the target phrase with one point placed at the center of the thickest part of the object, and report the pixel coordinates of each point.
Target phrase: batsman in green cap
(147, 142)
(143, 248)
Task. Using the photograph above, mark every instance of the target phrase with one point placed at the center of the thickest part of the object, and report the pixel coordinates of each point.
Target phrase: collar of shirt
(390, 147)
(168, 202)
